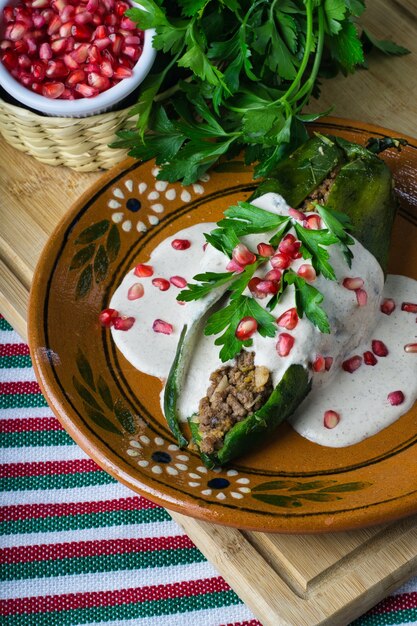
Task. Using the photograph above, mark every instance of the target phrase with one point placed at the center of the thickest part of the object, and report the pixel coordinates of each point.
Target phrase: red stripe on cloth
(65, 602)
(14, 349)
(42, 468)
(399, 602)
(107, 547)
(252, 622)
(29, 424)
(22, 387)
(37, 511)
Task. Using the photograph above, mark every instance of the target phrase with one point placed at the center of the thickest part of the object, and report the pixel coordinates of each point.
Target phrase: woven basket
(78, 143)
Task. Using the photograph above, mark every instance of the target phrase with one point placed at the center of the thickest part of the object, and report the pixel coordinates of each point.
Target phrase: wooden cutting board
(295, 580)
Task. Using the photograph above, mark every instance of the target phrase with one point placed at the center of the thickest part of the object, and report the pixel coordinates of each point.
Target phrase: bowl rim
(83, 106)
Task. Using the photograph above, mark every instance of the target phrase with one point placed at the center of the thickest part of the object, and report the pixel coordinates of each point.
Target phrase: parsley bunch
(235, 76)
(247, 219)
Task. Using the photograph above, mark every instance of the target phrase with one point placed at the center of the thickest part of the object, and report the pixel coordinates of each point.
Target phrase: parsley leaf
(338, 223)
(246, 218)
(308, 300)
(387, 47)
(313, 247)
(209, 281)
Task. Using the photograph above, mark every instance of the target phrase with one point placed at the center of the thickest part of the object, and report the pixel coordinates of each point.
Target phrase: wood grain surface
(286, 580)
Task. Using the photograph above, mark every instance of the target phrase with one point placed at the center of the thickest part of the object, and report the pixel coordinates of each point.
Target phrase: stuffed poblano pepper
(306, 260)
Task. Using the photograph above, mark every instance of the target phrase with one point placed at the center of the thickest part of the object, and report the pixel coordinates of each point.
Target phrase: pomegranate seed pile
(69, 49)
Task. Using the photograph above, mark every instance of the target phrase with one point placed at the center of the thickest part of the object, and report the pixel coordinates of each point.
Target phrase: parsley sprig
(236, 75)
(247, 219)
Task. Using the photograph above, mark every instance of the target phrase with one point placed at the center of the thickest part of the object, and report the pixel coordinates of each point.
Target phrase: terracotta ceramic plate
(112, 410)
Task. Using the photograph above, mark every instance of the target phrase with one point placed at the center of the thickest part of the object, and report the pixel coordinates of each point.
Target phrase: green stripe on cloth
(126, 611)
(387, 619)
(100, 563)
(89, 520)
(4, 325)
(22, 400)
(19, 360)
(36, 438)
(55, 481)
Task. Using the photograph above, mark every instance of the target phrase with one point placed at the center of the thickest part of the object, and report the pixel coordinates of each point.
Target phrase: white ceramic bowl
(83, 107)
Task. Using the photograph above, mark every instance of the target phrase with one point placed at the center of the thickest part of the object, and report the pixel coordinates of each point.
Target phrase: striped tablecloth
(79, 548)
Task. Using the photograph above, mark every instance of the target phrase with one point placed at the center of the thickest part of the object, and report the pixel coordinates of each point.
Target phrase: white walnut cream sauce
(344, 407)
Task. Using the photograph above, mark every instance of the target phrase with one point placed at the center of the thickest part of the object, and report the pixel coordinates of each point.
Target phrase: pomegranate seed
(80, 54)
(296, 214)
(32, 46)
(101, 32)
(369, 358)
(268, 287)
(37, 88)
(273, 275)
(57, 69)
(59, 45)
(67, 13)
(242, 256)
(92, 6)
(101, 44)
(387, 306)
(331, 419)
(68, 94)
(352, 364)
(161, 283)
(127, 24)
(9, 60)
(92, 67)
(144, 271)
(77, 76)
(111, 20)
(83, 17)
(328, 362)
(264, 249)
(253, 287)
(106, 69)
(66, 29)
(131, 51)
(312, 222)
(121, 8)
(123, 323)
(81, 32)
(307, 272)
(53, 90)
(396, 397)
(122, 72)
(159, 326)
(8, 14)
(379, 348)
(100, 82)
(70, 63)
(181, 244)
(410, 348)
(409, 307)
(117, 42)
(352, 283)
(232, 266)
(107, 317)
(86, 91)
(290, 246)
(38, 20)
(38, 70)
(40, 4)
(284, 344)
(132, 40)
(15, 31)
(289, 319)
(135, 291)
(178, 281)
(281, 261)
(24, 61)
(319, 364)
(361, 297)
(54, 25)
(246, 328)
(45, 52)
(94, 55)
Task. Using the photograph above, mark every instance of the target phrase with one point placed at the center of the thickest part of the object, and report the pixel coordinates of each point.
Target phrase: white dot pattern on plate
(129, 185)
(153, 220)
(127, 226)
(117, 217)
(113, 204)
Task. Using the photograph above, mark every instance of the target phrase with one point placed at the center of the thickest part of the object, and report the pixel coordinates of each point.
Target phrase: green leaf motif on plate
(296, 492)
(101, 264)
(85, 394)
(98, 418)
(113, 243)
(82, 257)
(84, 282)
(93, 232)
(104, 392)
(124, 416)
(85, 370)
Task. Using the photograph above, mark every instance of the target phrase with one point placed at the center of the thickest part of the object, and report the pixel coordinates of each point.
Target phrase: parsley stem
(309, 84)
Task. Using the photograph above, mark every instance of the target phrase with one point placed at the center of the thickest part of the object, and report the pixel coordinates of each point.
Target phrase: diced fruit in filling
(235, 392)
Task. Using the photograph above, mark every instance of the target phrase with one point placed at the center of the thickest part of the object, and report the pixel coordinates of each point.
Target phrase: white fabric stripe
(109, 491)
(105, 581)
(9, 336)
(32, 454)
(205, 617)
(17, 374)
(25, 412)
(167, 528)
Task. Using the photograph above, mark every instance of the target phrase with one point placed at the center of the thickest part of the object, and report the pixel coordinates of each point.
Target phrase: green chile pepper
(362, 189)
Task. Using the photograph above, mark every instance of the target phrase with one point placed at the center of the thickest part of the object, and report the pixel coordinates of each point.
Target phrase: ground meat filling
(235, 392)
(320, 193)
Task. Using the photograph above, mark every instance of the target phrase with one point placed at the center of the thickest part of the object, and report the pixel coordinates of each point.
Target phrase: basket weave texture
(78, 143)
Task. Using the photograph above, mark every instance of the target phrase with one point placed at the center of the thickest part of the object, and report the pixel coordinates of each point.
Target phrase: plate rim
(123, 474)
